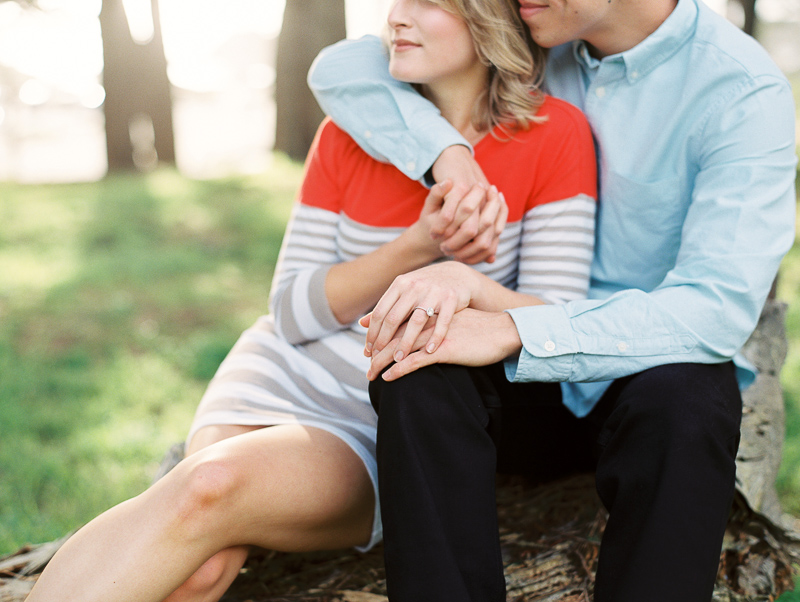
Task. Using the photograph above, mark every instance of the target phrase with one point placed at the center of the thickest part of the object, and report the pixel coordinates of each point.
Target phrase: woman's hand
(445, 288)
(463, 224)
(469, 228)
(475, 338)
(352, 287)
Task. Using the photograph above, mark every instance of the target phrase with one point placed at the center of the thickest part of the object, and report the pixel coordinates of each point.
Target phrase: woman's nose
(399, 14)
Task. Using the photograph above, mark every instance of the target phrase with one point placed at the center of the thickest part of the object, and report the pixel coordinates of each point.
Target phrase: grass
(117, 302)
(788, 482)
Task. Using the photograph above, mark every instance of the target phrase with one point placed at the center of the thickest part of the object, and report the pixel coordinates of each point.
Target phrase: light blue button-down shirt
(695, 137)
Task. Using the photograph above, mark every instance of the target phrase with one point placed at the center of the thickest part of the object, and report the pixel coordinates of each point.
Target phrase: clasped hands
(467, 221)
(471, 337)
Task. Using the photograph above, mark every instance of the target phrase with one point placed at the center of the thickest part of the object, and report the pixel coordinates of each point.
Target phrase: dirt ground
(550, 536)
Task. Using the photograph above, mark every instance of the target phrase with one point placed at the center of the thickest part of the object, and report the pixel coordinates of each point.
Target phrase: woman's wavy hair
(516, 63)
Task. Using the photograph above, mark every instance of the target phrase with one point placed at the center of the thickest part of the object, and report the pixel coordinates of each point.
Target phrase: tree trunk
(138, 105)
(749, 7)
(308, 26)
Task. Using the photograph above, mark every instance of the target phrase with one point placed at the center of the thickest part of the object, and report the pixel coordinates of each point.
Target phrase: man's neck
(635, 21)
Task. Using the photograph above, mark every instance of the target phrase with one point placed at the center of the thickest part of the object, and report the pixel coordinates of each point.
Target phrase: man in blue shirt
(694, 127)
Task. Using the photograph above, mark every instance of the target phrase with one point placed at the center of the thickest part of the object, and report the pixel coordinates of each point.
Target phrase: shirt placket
(602, 80)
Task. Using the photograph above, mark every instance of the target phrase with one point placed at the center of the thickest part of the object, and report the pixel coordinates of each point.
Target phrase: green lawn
(789, 291)
(117, 301)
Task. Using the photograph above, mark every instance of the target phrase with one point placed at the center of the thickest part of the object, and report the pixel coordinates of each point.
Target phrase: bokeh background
(149, 155)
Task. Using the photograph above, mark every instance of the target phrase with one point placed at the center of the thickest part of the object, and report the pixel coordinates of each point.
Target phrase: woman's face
(428, 43)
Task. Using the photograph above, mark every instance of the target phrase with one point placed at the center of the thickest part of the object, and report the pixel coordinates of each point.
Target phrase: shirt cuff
(428, 145)
(320, 307)
(549, 345)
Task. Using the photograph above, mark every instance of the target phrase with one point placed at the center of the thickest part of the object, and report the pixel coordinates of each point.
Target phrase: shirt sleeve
(387, 118)
(298, 302)
(556, 250)
(558, 228)
(739, 225)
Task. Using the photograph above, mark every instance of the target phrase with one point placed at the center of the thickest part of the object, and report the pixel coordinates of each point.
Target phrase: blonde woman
(309, 480)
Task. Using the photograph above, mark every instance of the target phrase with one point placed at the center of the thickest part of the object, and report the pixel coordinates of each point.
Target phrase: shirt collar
(665, 41)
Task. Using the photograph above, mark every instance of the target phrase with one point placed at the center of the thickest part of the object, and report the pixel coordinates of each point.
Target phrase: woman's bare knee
(286, 488)
(203, 490)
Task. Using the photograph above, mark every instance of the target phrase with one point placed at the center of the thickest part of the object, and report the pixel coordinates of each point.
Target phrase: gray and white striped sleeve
(297, 299)
(556, 250)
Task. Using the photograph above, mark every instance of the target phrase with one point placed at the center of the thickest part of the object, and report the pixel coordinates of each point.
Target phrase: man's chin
(543, 40)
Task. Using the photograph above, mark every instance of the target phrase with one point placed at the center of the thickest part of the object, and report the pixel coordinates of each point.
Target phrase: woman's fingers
(413, 301)
(416, 323)
(439, 315)
(478, 237)
(441, 326)
(484, 246)
(459, 206)
(395, 310)
(382, 312)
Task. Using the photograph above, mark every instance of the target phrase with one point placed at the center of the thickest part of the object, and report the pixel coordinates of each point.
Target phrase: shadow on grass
(117, 302)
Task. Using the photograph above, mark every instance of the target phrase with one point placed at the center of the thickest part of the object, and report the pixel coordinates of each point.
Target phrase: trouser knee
(679, 404)
(430, 394)
(680, 420)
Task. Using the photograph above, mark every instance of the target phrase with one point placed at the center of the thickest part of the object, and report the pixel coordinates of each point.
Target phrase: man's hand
(474, 338)
(473, 214)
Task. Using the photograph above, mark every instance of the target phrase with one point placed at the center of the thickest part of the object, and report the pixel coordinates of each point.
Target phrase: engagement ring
(428, 310)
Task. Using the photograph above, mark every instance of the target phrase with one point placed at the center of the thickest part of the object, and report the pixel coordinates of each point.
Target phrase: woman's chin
(407, 76)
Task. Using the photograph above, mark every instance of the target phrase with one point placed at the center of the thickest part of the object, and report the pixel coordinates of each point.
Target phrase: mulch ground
(550, 538)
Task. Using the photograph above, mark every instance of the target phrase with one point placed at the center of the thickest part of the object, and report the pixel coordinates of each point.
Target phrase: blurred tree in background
(749, 7)
(308, 26)
(138, 104)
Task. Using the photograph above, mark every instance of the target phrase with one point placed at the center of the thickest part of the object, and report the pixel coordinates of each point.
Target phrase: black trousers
(662, 443)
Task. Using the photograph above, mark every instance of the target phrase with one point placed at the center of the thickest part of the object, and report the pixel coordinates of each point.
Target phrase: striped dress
(299, 365)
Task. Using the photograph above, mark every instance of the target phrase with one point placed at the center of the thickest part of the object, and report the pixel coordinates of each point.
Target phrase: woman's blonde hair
(516, 63)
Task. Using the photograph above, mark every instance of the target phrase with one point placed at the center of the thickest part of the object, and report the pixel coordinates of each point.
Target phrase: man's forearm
(387, 118)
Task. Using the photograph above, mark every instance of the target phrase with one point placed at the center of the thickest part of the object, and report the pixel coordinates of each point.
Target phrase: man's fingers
(381, 359)
(459, 207)
(490, 213)
(463, 236)
(385, 356)
(414, 361)
(480, 249)
(477, 237)
(502, 216)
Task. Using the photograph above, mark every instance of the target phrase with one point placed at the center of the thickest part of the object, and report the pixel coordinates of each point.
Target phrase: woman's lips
(401, 45)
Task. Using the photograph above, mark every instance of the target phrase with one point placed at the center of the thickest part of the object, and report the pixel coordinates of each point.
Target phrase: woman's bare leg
(285, 488)
(212, 580)
(215, 576)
